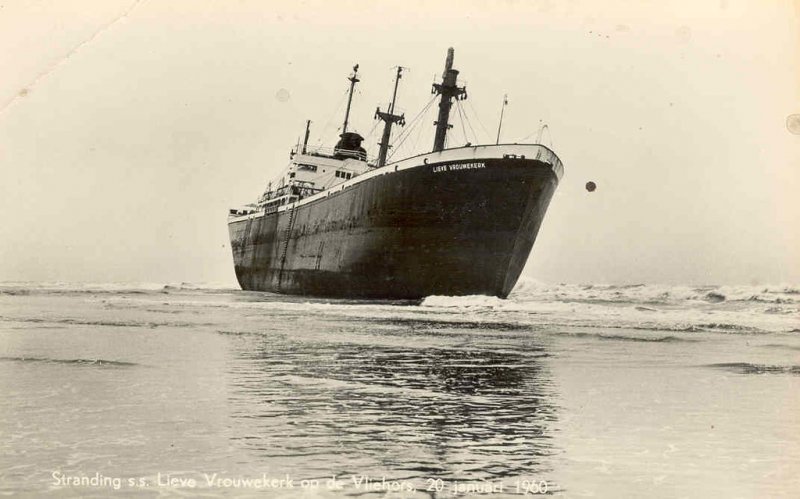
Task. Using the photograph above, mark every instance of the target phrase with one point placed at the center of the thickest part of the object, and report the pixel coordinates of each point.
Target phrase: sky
(129, 128)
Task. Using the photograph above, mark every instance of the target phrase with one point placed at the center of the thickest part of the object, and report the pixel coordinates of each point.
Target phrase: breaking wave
(782, 346)
(654, 293)
(107, 323)
(612, 337)
(527, 289)
(18, 288)
(82, 362)
(532, 306)
(748, 368)
(681, 309)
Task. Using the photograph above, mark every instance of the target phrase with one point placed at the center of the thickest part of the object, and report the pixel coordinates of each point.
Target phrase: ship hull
(448, 228)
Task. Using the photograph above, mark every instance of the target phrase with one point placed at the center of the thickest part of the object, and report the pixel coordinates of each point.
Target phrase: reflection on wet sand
(319, 408)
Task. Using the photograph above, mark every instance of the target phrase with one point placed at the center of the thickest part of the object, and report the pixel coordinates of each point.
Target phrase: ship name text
(457, 166)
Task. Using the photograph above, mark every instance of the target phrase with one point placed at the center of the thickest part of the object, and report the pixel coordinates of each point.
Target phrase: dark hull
(408, 234)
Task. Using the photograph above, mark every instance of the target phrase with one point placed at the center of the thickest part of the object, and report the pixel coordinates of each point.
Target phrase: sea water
(567, 390)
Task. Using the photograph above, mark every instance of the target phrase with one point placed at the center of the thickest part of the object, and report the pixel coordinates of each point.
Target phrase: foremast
(353, 80)
(349, 145)
(448, 89)
(389, 118)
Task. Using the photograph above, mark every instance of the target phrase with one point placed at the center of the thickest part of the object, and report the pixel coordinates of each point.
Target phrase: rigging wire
(419, 132)
(372, 130)
(414, 120)
(372, 145)
(330, 120)
(477, 117)
(474, 134)
(407, 132)
(461, 119)
(398, 146)
(539, 133)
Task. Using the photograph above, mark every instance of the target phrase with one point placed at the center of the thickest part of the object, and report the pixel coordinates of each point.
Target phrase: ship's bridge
(322, 172)
(309, 173)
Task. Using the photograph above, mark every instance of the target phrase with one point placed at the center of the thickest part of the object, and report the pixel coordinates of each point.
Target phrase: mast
(389, 119)
(305, 141)
(502, 109)
(447, 89)
(353, 80)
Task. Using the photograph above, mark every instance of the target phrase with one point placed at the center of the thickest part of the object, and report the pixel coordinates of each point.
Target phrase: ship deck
(460, 154)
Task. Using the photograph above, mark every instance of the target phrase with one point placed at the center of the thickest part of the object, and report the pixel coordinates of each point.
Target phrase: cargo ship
(452, 221)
